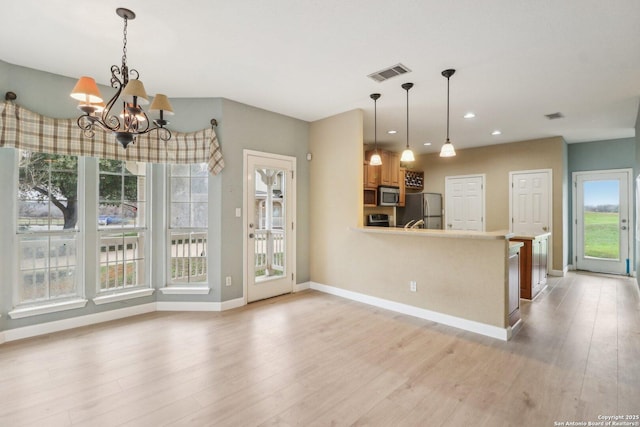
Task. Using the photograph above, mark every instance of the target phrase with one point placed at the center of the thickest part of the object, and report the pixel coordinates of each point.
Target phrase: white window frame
(34, 308)
(185, 288)
(104, 296)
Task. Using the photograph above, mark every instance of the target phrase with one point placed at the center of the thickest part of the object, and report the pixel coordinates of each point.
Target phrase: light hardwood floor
(312, 359)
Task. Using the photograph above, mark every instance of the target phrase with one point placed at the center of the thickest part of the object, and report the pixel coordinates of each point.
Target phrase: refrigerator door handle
(427, 209)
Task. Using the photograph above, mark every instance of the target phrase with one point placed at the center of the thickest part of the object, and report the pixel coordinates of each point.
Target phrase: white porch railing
(121, 262)
(188, 257)
(269, 253)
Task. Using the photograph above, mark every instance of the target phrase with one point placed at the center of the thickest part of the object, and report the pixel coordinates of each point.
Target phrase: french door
(602, 221)
(269, 224)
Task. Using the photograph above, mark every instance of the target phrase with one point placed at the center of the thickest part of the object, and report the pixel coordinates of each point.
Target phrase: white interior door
(531, 202)
(464, 202)
(602, 221)
(269, 194)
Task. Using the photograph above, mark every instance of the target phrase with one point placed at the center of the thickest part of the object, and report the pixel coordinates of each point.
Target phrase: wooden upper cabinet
(389, 172)
(394, 169)
(371, 176)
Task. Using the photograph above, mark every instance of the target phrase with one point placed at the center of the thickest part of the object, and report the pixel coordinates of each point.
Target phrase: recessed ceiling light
(496, 132)
(392, 132)
(469, 115)
(427, 143)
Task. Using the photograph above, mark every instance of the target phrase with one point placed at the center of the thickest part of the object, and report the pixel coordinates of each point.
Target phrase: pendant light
(447, 149)
(375, 160)
(407, 154)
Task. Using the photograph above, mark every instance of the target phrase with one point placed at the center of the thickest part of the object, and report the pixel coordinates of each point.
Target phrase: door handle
(251, 235)
(624, 227)
(545, 228)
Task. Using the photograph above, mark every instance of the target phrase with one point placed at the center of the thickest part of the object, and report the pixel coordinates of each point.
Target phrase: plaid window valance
(24, 129)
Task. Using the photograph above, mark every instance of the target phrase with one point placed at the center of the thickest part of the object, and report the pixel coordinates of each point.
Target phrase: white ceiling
(516, 60)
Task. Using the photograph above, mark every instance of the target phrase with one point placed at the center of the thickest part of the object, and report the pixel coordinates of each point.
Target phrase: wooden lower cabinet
(533, 264)
(514, 283)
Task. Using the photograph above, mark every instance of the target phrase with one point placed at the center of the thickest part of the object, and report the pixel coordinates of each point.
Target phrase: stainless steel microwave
(388, 196)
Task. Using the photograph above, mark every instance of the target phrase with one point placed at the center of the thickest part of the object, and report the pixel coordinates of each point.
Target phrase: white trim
(188, 306)
(75, 322)
(559, 273)
(233, 303)
(630, 203)
(199, 306)
(289, 163)
(122, 296)
(20, 313)
(298, 287)
(185, 290)
(513, 330)
(434, 316)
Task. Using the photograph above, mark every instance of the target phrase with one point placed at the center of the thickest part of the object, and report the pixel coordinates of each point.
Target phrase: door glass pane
(602, 219)
(270, 217)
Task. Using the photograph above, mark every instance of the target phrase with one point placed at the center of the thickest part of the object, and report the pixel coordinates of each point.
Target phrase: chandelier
(131, 120)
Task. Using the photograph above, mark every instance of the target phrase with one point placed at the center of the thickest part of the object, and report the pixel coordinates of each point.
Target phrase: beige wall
(460, 277)
(496, 161)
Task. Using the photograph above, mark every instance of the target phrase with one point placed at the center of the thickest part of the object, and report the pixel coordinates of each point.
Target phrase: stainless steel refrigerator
(421, 206)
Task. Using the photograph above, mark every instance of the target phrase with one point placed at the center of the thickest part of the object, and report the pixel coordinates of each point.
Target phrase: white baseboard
(434, 316)
(75, 322)
(301, 286)
(559, 273)
(233, 303)
(92, 319)
(199, 306)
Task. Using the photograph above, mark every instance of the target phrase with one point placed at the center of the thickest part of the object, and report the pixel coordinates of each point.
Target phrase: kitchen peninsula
(461, 277)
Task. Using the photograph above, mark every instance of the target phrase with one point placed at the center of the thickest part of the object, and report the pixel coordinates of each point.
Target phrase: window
(122, 206)
(188, 211)
(47, 228)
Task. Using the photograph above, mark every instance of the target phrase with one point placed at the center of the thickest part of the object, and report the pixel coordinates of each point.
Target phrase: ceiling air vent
(554, 116)
(387, 73)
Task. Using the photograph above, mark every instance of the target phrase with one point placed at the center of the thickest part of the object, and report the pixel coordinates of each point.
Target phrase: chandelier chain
(124, 42)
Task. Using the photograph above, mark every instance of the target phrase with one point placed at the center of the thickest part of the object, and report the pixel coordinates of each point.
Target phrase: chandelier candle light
(447, 149)
(375, 160)
(131, 121)
(407, 154)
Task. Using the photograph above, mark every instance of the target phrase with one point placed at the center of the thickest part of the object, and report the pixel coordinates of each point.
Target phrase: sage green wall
(247, 127)
(636, 206)
(240, 126)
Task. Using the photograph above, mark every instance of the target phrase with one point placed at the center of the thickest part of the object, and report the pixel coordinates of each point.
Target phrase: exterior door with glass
(269, 224)
(602, 221)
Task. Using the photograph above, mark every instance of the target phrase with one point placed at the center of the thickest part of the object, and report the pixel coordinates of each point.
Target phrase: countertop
(529, 237)
(452, 234)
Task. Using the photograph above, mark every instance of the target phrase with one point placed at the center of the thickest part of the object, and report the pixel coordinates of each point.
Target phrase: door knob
(624, 227)
(545, 228)
(251, 225)
(251, 235)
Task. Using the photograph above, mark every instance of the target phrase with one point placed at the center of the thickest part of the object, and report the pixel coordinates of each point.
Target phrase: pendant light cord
(375, 123)
(408, 118)
(447, 109)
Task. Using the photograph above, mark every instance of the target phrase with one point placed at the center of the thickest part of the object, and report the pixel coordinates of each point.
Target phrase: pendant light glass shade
(407, 154)
(447, 149)
(375, 159)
